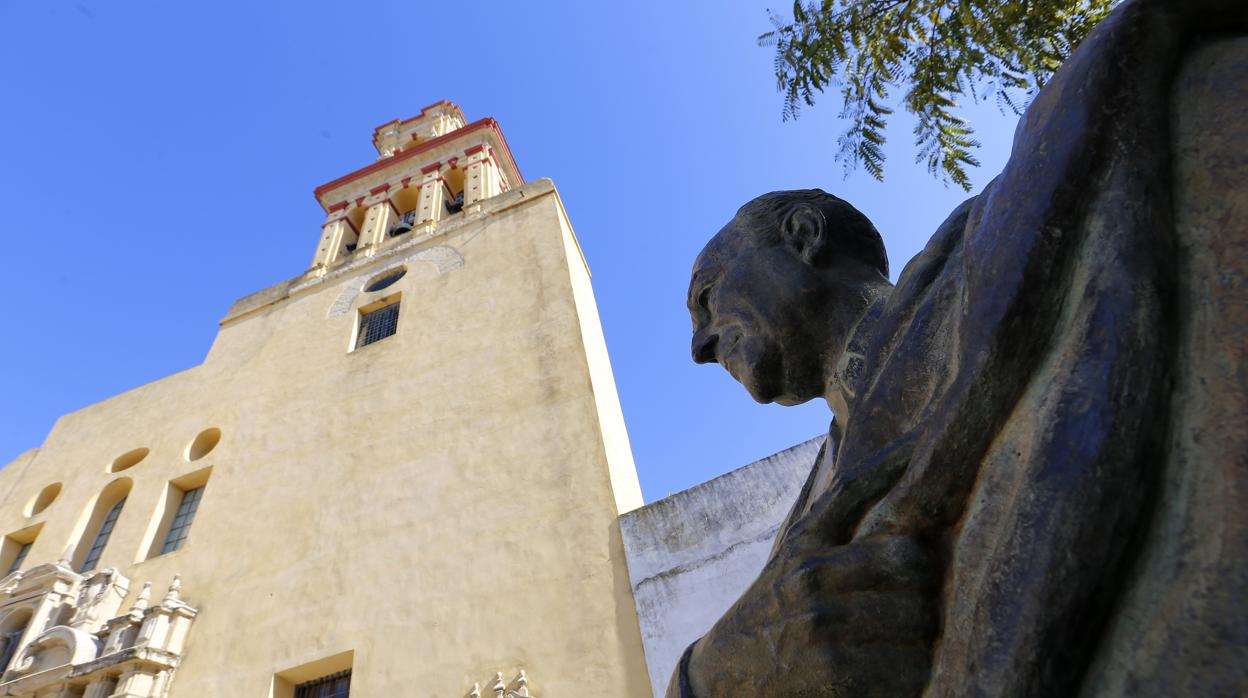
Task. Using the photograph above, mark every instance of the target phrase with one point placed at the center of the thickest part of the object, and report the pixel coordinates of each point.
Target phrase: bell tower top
(437, 119)
(430, 168)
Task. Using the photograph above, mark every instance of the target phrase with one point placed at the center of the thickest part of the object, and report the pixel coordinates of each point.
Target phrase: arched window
(11, 630)
(102, 536)
(99, 524)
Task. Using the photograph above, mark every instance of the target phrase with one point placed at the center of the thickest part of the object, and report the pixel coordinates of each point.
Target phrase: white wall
(692, 554)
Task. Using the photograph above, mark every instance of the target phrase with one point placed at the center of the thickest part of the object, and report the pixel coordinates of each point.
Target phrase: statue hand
(851, 620)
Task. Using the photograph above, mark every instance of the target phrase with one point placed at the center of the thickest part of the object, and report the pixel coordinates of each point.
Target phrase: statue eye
(704, 297)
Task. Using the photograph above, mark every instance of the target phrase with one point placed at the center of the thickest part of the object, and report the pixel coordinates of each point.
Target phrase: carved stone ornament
(518, 687)
(65, 632)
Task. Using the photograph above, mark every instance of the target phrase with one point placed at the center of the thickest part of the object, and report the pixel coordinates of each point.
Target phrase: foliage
(938, 51)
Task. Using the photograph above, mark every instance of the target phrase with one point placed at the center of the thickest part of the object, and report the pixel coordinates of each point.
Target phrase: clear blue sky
(157, 161)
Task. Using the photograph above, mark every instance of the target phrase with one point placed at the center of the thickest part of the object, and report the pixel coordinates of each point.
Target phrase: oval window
(385, 280)
(205, 442)
(45, 497)
(129, 459)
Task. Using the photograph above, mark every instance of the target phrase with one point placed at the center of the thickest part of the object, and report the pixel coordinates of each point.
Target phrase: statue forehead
(733, 240)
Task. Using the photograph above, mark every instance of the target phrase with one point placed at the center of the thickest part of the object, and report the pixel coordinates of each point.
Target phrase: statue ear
(805, 232)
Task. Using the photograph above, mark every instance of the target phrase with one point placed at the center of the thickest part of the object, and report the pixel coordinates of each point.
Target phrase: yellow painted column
(480, 176)
(432, 194)
(330, 250)
(381, 215)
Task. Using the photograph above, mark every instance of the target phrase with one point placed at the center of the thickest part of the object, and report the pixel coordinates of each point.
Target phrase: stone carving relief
(498, 688)
(75, 642)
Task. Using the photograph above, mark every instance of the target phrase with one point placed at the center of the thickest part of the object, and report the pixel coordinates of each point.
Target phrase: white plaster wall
(690, 555)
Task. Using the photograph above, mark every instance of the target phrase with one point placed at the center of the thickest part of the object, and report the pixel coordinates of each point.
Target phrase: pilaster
(432, 194)
(101, 687)
(135, 683)
(332, 247)
(128, 656)
(481, 177)
(381, 215)
(429, 166)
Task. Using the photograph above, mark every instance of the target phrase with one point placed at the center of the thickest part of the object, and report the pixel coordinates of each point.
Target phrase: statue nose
(704, 344)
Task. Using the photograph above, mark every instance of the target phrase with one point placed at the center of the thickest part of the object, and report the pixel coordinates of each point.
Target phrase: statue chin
(751, 366)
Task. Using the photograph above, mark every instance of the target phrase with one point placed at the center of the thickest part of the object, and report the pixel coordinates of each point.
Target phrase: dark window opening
(181, 526)
(10, 647)
(101, 537)
(406, 222)
(378, 324)
(17, 561)
(332, 686)
(386, 281)
(456, 204)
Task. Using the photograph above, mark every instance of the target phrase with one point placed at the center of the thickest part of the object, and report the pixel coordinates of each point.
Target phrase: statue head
(775, 294)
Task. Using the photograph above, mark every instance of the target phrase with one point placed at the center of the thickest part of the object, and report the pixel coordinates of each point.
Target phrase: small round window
(41, 501)
(205, 442)
(385, 280)
(129, 459)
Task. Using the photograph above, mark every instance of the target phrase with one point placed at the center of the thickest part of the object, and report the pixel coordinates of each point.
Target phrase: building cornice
(487, 124)
(422, 114)
(299, 285)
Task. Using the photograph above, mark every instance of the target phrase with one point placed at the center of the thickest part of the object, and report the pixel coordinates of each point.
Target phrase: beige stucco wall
(442, 503)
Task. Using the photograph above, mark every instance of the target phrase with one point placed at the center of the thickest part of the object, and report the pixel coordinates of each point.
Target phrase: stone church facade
(397, 473)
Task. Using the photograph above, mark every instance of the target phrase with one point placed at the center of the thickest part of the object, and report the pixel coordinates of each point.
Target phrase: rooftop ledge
(303, 283)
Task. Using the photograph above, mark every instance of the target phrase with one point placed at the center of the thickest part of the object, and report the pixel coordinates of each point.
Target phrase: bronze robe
(1056, 392)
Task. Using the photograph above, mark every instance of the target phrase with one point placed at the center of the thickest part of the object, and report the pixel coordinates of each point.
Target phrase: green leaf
(932, 53)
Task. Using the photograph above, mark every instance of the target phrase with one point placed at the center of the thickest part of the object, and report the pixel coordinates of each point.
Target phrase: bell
(403, 226)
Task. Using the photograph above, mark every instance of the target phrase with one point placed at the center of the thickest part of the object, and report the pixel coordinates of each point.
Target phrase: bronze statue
(1035, 483)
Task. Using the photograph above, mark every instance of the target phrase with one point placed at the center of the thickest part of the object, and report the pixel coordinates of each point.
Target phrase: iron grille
(332, 686)
(17, 561)
(101, 537)
(181, 526)
(378, 324)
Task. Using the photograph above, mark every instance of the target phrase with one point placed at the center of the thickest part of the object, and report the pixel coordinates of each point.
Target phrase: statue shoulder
(920, 271)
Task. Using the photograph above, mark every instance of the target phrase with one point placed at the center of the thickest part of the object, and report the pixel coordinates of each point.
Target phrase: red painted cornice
(479, 124)
(438, 103)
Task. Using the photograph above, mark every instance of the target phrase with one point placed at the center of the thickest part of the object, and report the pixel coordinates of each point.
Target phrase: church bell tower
(429, 167)
(396, 473)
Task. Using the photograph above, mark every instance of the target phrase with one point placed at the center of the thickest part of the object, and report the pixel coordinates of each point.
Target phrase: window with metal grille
(181, 526)
(101, 537)
(17, 561)
(332, 686)
(378, 324)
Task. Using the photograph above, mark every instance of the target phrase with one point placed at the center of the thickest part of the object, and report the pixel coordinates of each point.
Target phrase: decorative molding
(487, 124)
(516, 688)
(96, 653)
